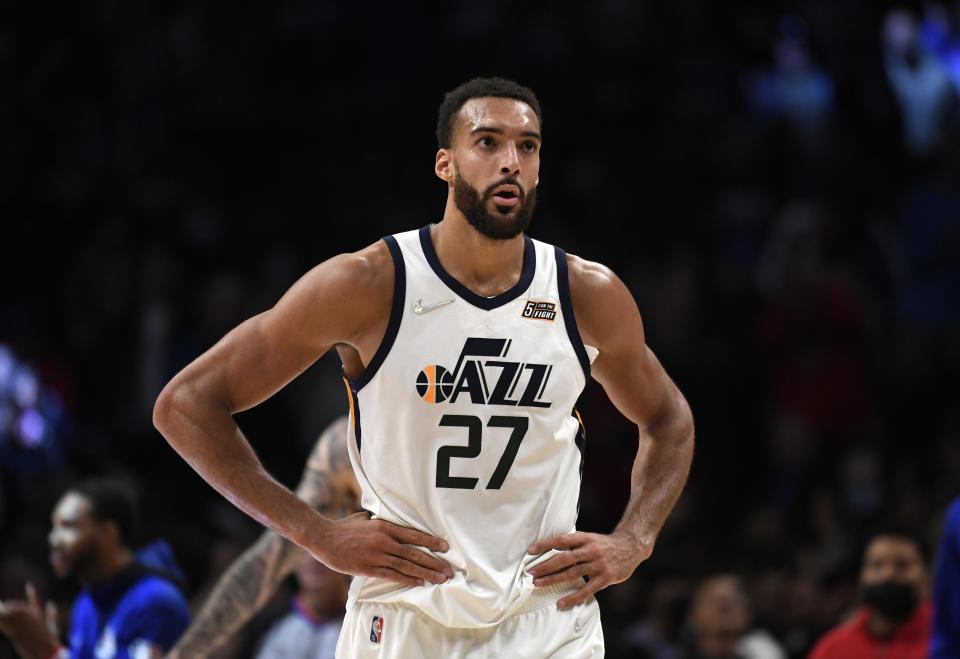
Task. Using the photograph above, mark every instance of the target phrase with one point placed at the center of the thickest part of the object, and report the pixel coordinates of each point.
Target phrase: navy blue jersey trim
(566, 308)
(485, 303)
(396, 313)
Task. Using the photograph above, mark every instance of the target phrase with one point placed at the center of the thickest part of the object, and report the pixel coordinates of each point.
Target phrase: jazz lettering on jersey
(485, 376)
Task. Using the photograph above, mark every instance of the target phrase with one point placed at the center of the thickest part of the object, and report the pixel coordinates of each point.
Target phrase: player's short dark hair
(893, 529)
(111, 500)
(479, 88)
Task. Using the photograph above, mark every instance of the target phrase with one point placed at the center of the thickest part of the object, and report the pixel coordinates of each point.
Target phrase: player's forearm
(241, 592)
(204, 433)
(659, 473)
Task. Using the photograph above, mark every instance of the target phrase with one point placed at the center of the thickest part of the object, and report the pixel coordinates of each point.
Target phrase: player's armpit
(240, 592)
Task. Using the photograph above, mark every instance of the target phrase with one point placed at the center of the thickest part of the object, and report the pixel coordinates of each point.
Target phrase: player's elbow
(169, 406)
(684, 420)
(163, 409)
(675, 422)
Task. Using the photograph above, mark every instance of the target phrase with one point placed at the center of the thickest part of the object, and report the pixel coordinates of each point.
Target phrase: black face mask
(892, 600)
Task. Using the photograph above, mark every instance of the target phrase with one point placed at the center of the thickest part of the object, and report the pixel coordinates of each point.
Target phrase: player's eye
(530, 146)
(485, 141)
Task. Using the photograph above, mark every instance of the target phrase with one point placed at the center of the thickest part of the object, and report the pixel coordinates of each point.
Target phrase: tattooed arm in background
(329, 486)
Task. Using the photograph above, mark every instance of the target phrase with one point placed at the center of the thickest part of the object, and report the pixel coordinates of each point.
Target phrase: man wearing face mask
(895, 619)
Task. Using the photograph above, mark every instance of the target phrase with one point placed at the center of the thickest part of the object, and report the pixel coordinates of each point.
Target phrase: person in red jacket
(895, 620)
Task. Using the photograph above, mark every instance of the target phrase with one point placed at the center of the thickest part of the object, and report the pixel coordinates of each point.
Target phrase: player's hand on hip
(368, 547)
(598, 560)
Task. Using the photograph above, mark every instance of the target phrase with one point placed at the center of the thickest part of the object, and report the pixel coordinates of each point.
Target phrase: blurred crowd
(779, 189)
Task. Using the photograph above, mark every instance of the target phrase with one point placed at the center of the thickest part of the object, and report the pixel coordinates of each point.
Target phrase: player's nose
(511, 160)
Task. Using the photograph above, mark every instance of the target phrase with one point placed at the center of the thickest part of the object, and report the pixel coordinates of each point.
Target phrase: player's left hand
(28, 625)
(599, 560)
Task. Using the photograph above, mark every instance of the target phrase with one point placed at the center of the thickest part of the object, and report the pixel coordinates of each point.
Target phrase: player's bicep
(637, 384)
(627, 369)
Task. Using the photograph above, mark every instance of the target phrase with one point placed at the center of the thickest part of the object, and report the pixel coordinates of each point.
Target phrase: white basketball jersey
(463, 426)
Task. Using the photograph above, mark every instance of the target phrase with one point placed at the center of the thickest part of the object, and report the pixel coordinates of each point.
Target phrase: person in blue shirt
(131, 606)
(946, 589)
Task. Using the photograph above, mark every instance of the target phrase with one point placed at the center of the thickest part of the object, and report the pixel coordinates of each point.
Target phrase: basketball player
(465, 345)
(327, 484)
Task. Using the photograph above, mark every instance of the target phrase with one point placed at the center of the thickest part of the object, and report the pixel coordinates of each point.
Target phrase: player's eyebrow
(499, 131)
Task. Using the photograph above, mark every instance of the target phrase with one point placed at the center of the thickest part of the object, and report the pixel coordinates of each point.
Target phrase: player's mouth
(506, 195)
(58, 561)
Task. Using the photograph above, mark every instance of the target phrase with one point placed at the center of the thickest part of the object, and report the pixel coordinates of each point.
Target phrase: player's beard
(75, 563)
(504, 225)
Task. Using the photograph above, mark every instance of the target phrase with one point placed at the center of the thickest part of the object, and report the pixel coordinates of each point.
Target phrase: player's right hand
(368, 547)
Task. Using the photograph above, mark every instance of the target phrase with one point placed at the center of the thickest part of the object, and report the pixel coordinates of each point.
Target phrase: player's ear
(444, 165)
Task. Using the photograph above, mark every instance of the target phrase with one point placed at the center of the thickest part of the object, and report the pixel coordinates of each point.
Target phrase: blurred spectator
(895, 588)
(32, 421)
(924, 93)
(311, 629)
(813, 327)
(720, 621)
(946, 589)
(131, 606)
(929, 238)
(940, 35)
(657, 634)
(795, 89)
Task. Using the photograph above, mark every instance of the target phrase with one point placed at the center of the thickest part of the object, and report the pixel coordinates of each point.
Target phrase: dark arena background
(777, 183)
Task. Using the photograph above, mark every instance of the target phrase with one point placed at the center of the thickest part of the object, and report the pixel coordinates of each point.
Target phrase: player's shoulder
(601, 301)
(595, 290)
(370, 266)
(152, 597)
(353, 288)
(590, 277)
(953, 513)
(154, 590)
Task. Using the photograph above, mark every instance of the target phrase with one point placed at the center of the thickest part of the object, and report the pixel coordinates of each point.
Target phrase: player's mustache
(506, 181)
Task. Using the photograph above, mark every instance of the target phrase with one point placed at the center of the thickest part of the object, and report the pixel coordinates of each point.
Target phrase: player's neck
(108, 565)
(486, 266)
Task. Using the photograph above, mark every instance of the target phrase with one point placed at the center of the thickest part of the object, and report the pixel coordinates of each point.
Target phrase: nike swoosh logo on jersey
(420, 308)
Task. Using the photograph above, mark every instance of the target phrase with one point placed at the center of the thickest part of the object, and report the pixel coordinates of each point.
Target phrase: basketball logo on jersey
(434, 384)
(490, 381)
(376, 629)
(539, 310)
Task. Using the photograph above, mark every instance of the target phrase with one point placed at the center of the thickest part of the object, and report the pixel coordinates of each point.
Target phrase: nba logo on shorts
(376, 629)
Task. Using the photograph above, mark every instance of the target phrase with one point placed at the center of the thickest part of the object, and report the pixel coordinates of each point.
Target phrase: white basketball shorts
(400, 631)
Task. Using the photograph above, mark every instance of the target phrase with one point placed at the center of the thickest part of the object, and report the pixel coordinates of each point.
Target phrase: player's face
(73, 536)
(496, 165)
(894, 559)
